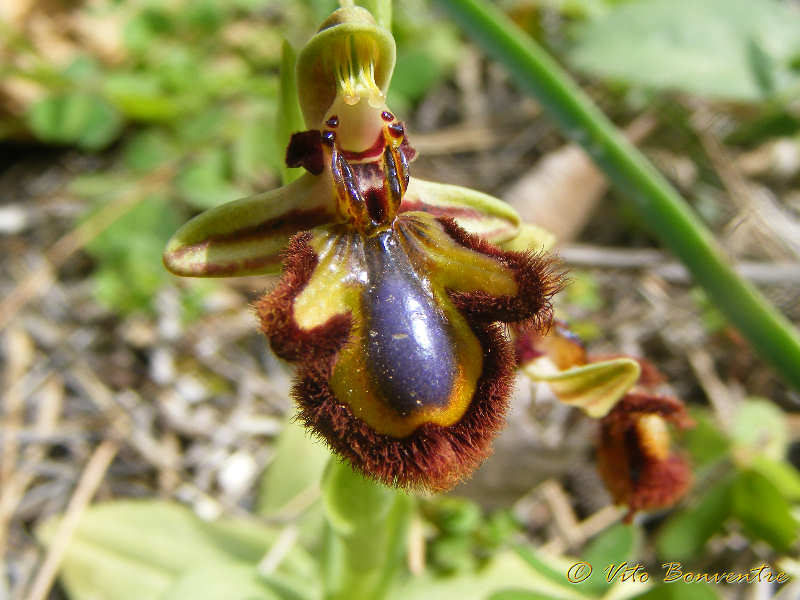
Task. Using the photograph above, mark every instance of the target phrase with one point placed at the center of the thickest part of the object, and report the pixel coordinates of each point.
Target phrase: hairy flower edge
(432, 457)
(634, 457)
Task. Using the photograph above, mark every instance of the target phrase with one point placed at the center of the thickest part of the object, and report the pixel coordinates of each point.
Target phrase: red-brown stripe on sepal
(431, 458)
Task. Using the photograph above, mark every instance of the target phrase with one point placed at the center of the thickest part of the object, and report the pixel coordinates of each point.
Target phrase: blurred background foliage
(154, 111)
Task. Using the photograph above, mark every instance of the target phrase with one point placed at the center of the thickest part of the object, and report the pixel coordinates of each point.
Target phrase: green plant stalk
(288, 117)
(661, 207)
(365, 534)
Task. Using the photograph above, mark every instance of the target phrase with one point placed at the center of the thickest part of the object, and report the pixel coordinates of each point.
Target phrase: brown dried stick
(87, 486)
(561, 191)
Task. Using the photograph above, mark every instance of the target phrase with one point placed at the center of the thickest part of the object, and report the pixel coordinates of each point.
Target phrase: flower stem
(661, 207)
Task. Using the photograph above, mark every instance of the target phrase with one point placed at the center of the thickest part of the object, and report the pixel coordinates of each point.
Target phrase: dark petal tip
(275, 313)
(537, 275)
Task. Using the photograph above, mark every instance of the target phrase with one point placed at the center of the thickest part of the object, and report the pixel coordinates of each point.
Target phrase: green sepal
(316, 63)
(530, 237)
(246, 237)
(289, 118)
(478, 213)
(594, 388)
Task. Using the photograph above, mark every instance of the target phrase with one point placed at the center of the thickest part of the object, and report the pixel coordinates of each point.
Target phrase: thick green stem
(365, 538)
(661, 207)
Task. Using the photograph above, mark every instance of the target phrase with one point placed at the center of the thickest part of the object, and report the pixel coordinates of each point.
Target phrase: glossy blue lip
(409, 347)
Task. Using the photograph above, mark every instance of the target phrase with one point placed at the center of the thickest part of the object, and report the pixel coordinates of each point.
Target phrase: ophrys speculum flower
(391, 309)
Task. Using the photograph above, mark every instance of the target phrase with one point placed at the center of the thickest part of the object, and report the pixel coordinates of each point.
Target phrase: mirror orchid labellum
(394, 292)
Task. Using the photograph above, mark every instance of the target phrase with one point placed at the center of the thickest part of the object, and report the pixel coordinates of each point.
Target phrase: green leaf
(141, 97)
(554, 568)
(135, 550)
(763, 511)
(705, 442)
(128, 253)
(456, 516)
(679, 591)
(506, 571)
(77, 118)
(205, 182)
(295, 472)
(760, 427)
(148, 150)
(782, 474)
(684, 534)
(424, 63)
(736, 49)
(226, 582)
(615, 545)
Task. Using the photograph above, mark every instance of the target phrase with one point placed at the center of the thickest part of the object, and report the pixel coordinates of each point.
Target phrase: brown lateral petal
(634, 457)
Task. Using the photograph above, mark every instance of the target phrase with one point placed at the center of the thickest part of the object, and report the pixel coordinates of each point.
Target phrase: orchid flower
(634, 451)
(394, 291)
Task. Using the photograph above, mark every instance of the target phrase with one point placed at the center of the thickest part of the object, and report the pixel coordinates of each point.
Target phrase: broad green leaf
(705, 442)
(475, 211)
(295, 473)
(680, 591)
(763, 511)
(760, 427)
(135, 550)
(224, 582)
(595, 388)
(246, 237)
(685, 533)
(456, 516)
(782, 474)
(452, 554)
(615, 545)
(77, 118)
(290, 486)
(141, 97)
(83, 69)
(735, 49)
(507, 570)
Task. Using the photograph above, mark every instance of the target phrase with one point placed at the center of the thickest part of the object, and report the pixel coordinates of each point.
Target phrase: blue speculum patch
(410, 350)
